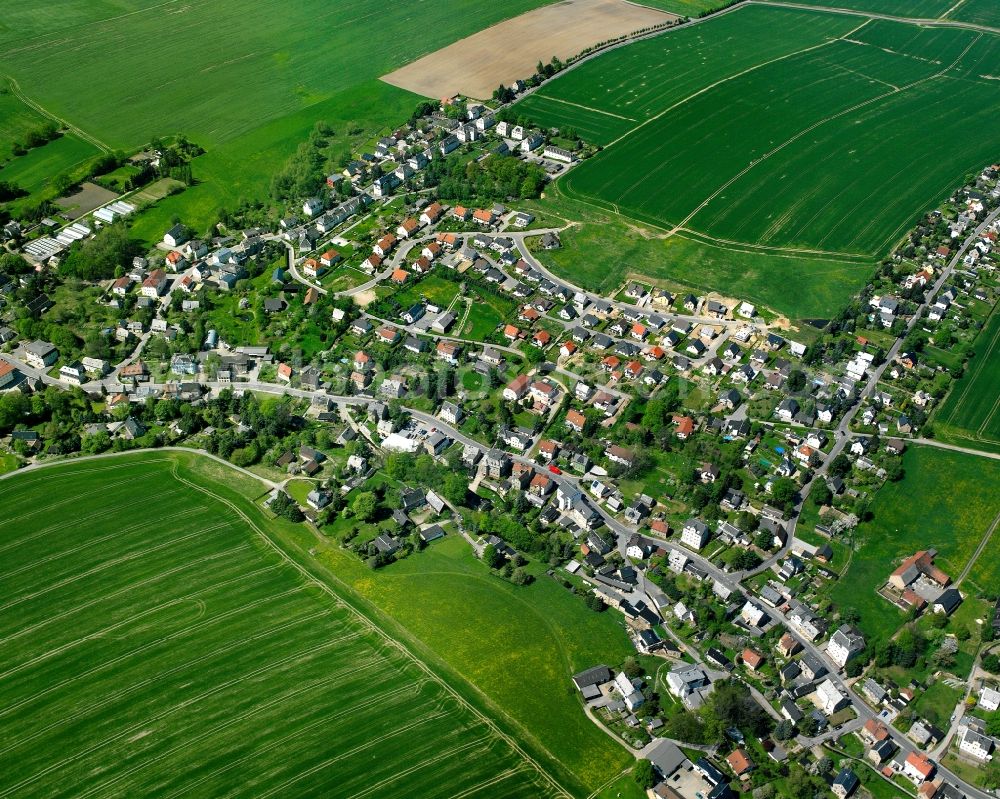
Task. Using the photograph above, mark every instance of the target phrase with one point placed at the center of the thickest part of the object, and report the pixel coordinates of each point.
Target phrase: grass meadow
(602, 250)
(161, 639)
(16, 120)
(946, 500)
(970, 414)
(798, 150)
(36, 169)
(518, 646)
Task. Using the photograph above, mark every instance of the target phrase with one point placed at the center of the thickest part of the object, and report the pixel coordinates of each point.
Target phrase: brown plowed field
(476, 65)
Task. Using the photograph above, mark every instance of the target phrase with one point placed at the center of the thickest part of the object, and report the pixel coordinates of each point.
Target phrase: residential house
(829, 697)
(695, 534)
(844, 644)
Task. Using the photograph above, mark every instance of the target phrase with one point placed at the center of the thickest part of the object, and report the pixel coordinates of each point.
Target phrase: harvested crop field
(476, 65)
(86, 199)
(158, 639)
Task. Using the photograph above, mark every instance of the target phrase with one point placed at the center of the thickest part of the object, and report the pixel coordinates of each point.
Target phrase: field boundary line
(726, 79)
(857, 259)
(927, 22)
(979, 550)
(15, 87)
(389, 640)
(584, 107)
(978, 453)
(749, 248)
(955, 7)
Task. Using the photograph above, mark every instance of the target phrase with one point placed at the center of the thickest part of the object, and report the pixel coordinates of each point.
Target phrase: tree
(765, 791)
(491, 557)
(595, 603)
(821, 494)
(840, 466)
(364, 506)
(520, 577)
(764, 540)
(732, 705)
(992, 663)
(455, 487)
(643, 774)
(894, 470)
(98, 257)
(14, 406)
(783, 492)
(631, 668)
(796, 380)
(783, 731)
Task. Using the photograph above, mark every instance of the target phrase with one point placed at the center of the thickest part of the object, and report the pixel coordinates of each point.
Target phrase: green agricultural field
(970, 415)
(801, 152)
(922, 9)
(919, 512)
(685, 8)
(757, 151)
(629, 85)
(246, 81)
(182, 650)
(215, 70)
(977, 12)
(980, 12)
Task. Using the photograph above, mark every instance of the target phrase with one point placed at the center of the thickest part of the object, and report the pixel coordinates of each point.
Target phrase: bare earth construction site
(509, 50)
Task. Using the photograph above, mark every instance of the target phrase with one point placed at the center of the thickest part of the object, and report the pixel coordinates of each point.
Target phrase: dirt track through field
(476, 65)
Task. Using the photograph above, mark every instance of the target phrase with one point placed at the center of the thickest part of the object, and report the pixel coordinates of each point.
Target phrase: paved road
(842, 433)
